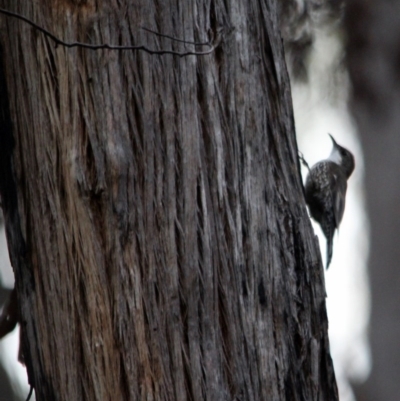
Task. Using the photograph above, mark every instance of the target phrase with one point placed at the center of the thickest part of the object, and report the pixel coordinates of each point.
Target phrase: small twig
(60, 42)
(175, 39)
(303, 160)
(30, 394)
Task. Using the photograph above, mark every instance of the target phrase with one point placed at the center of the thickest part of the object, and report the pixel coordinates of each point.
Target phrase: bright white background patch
(335, 156)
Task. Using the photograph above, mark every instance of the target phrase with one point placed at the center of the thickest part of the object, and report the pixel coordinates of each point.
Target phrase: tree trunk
(154, 207)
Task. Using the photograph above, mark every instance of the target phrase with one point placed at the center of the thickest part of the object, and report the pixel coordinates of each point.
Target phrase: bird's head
(342, 157)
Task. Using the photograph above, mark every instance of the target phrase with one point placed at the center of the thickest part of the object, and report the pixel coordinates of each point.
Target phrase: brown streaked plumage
(325, 191)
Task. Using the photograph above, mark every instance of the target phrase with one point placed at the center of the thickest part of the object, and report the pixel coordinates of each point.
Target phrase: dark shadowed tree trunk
(154, 208)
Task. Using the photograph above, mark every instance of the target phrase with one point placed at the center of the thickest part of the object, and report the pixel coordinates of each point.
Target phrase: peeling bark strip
(170, 251)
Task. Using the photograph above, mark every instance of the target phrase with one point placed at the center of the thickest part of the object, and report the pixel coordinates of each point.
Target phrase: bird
(325, 191)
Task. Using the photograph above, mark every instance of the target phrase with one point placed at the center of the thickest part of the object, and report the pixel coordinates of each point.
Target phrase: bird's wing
(339, 196)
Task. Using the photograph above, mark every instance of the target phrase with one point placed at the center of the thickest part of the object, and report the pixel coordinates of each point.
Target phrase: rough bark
(154, 208)
(373, 59)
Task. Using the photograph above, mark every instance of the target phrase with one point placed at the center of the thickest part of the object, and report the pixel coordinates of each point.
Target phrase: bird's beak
(333, 140)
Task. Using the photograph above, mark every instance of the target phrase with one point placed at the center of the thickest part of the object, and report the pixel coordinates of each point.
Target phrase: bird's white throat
(335, 156)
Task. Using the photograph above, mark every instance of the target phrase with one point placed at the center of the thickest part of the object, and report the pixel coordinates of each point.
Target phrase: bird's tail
(329, 231)
(329, 249)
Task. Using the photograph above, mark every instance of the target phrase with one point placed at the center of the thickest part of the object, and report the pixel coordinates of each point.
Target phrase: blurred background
(347, 84)
(373, 59)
